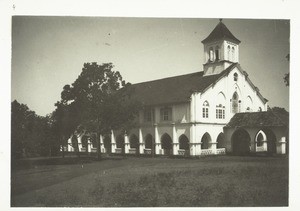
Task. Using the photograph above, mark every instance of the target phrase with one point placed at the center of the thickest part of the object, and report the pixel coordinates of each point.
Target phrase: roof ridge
(194, 73)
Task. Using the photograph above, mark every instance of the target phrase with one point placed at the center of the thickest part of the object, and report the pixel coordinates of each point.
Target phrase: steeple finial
(220, 19)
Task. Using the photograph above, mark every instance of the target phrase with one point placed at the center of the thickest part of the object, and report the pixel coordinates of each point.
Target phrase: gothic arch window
(205, 109)
(233, 54)
(220, 111)
(217, 53)
(249, 104)
(235, 103)
(235, 76)
(228, 53)
(259, 139)
(211, 54)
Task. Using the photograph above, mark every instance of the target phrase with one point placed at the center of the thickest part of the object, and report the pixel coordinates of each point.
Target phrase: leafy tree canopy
(99, 100)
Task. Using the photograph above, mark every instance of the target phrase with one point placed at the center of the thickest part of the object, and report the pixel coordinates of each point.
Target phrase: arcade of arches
(238, 141)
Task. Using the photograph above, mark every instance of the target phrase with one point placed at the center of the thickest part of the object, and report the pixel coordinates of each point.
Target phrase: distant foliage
(31, 135)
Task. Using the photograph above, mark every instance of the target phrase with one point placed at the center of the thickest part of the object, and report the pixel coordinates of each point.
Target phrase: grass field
(216, 181)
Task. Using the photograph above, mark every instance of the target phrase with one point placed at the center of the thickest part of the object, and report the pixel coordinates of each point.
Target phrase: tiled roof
(221, 32)
(175, 89)
(254, 119)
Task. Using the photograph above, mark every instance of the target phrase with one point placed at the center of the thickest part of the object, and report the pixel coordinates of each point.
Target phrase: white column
(89, 145)
(141, 142)
(213, 143)
(79, 143)
(213, 147)
(102, 148)
(127, 144)
(195, 147)
(70, 145)
(192, 111)
(192, 140)
(113, 142)
(175, 140)
(281, 149)
(157, 141)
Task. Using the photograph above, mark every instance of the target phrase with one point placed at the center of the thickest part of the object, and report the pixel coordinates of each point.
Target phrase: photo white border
(267, 9)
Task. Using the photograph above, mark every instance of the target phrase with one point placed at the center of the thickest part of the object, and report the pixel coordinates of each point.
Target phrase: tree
(99, 100)
(64, 123)
(31, 134)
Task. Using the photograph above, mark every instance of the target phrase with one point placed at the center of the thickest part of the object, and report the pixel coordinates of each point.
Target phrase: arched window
(235, 103)
(211, 54)
(220, 111)
(205, 109)
(235, 76)
(233, 54)
(249, 104)
(228, 53)
(217, 53)
(259, 140)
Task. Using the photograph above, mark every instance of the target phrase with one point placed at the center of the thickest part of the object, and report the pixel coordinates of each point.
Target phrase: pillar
(281, 147)
(113, 142)
(127, 144)
(195, 148)
(102, 148)
(157, 141)
(70, 145)
(79, 143)
(175, 140)
(89, 145)
(213, 147)
(141, 142)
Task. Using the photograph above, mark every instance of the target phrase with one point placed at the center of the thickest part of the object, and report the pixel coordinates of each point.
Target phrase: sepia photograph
(114, 111)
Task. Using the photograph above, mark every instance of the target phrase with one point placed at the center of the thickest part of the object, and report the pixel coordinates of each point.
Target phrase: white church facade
(215, 111)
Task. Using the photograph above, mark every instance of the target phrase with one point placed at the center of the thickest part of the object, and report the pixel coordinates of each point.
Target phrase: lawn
(216, 181)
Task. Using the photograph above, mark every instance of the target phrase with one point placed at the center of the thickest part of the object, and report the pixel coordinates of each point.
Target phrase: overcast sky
(49, 52)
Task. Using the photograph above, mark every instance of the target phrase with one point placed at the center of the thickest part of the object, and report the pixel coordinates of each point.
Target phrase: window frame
(166, 114)
(235, 77)
(220, 111)
(205, 110)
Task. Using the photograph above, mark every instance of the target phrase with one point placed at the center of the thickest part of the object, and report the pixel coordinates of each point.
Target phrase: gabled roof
(221, 32)
(176, 89)
(254, 119)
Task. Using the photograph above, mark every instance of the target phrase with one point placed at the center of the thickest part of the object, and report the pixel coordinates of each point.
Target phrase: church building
(215, 111)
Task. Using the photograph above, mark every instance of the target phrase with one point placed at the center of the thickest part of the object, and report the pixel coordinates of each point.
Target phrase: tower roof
(221, 32)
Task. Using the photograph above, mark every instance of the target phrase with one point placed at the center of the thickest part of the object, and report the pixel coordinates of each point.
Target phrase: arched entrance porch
(134, 144)
(149, 145)
(120, 142)
(184, 145)
(166, 144)
(240, 142)
(107, 144)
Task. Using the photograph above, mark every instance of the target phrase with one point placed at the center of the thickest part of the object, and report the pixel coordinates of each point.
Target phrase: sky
(49, 52)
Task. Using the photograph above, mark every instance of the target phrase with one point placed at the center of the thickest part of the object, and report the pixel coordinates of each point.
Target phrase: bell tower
(221, 49)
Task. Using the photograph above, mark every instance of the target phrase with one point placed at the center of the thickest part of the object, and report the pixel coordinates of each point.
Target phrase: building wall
(225, 88)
